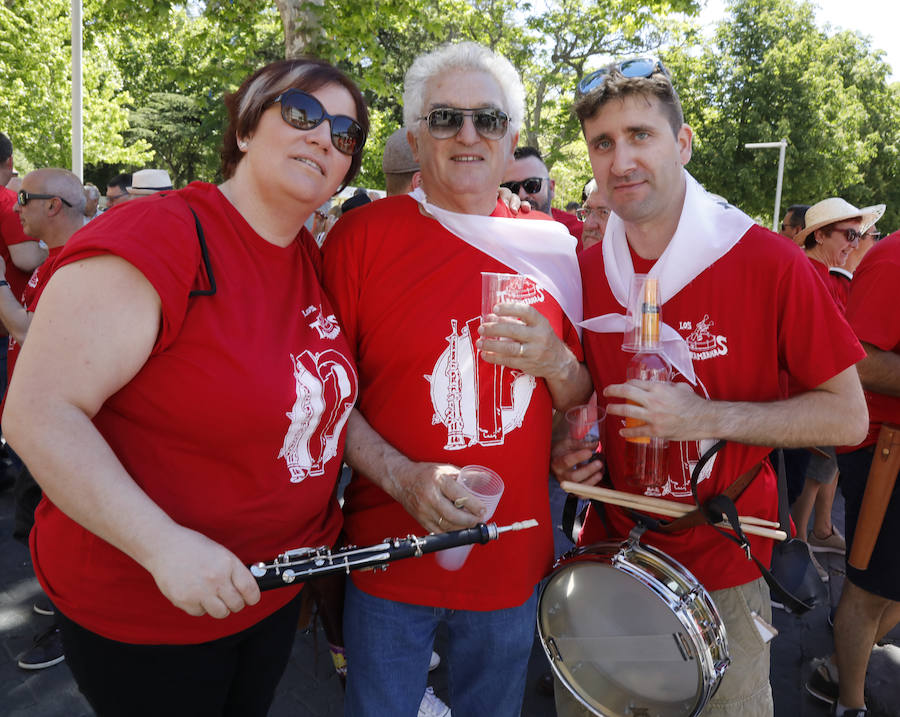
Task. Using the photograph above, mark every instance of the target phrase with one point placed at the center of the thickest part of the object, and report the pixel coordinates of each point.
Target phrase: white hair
(590, 187)
(462, 56)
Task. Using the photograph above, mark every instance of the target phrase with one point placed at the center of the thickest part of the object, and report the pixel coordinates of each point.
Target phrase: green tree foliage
(36, 104)
(551, 43)
(771, 73)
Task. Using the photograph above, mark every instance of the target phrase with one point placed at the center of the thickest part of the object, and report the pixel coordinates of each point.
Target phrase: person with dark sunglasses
(443, 390)
(744, 312)
(51, 208)
(527, 176)
(184, 407)
(832, 231)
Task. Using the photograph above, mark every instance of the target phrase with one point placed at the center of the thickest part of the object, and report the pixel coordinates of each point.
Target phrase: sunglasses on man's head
(25, 197)
(636, 67)
(532, 185)
(446, 122)
(303, 111)
(874, 236)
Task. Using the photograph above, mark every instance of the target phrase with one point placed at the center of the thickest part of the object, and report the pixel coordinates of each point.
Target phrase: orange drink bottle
(646, 457)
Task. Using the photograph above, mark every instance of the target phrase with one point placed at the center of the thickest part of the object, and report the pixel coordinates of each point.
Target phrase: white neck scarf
(543, 250)
(707, 230)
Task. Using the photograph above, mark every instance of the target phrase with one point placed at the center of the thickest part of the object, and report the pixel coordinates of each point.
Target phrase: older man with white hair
(438, 391)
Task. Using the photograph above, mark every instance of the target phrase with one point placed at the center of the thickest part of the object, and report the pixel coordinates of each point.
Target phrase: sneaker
(820, 684)
(43, 606)
(46, 651)
(435, 661)
(432, 705)
(834, 543)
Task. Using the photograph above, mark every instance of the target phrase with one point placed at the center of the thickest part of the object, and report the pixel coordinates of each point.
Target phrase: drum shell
(629, 631)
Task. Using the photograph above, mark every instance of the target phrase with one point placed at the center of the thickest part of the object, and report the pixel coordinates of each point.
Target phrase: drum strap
(798, 565)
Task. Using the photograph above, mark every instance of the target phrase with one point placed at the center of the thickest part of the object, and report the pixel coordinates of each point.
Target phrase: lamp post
(782, 145)
(77, 127)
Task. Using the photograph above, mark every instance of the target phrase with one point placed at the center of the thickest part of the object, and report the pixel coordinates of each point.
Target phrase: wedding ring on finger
(440, 520)
(460, 502)
(521, 350)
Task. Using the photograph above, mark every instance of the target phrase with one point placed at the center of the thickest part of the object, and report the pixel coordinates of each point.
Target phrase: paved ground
(311, 688)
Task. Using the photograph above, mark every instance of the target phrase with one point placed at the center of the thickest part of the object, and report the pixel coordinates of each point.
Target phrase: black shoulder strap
(204, 252)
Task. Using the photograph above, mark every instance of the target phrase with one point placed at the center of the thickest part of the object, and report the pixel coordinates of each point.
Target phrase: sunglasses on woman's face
(851, 235)
(303, 111)
(446, 122)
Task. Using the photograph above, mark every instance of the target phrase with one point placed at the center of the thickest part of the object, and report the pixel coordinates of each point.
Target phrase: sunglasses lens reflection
(305, 112)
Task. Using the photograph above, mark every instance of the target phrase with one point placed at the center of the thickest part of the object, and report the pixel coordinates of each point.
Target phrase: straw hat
(835, 209)
(149, 181)
(398, 157)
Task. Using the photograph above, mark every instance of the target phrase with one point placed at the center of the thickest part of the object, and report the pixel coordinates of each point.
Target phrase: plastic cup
(586, 424)
(484, 486)
(503, 289)
(632, 340)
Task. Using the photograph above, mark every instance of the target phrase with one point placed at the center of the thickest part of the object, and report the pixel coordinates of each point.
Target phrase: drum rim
(710, 666)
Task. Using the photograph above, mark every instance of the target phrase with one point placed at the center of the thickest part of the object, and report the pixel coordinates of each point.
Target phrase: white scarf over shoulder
(543, 250)
(707, 230)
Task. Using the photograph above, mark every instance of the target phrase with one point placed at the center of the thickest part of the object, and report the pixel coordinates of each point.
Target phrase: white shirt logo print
(312, 437)
(479, 403)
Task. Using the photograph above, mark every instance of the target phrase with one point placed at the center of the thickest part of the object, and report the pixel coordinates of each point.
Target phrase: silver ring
(440, 520)
(521, 350)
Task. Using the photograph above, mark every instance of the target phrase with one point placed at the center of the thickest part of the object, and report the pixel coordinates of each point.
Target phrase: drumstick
(670, 509)
(748, 528)
(648, 501)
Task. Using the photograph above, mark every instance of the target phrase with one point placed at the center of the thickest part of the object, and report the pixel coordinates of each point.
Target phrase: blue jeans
(389, 646)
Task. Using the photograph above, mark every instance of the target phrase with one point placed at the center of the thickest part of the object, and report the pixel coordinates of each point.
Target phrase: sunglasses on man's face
(303, 111)
(446, 122)
(532, 185)
(25, 197)
(636, 67)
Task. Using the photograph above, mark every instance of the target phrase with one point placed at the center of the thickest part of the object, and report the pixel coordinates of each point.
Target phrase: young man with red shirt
(740, 307)
(405, 277)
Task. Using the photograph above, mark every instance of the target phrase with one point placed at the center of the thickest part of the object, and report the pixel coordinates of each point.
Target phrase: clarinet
(303, 564)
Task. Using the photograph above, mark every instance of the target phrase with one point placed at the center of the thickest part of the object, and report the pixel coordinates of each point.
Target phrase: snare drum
(630, 631)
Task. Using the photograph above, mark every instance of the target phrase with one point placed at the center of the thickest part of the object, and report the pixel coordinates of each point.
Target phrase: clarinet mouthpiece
(519, 525)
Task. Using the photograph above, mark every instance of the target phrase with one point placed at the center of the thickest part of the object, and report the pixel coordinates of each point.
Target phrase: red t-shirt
(11, 233)
(757, 311)
(29, 299)
(408, 294)
(837, 286)
(872, 312)
(233, 426)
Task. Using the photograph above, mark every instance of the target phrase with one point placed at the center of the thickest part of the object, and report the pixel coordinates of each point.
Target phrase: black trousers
(234, 676)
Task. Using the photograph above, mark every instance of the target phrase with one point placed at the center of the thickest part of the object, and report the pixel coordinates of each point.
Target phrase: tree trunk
(302, 30)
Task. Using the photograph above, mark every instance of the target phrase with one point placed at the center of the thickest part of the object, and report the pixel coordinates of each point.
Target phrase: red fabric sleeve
(871, 308)
(10, 225)
(808, 311)
(158, 236)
